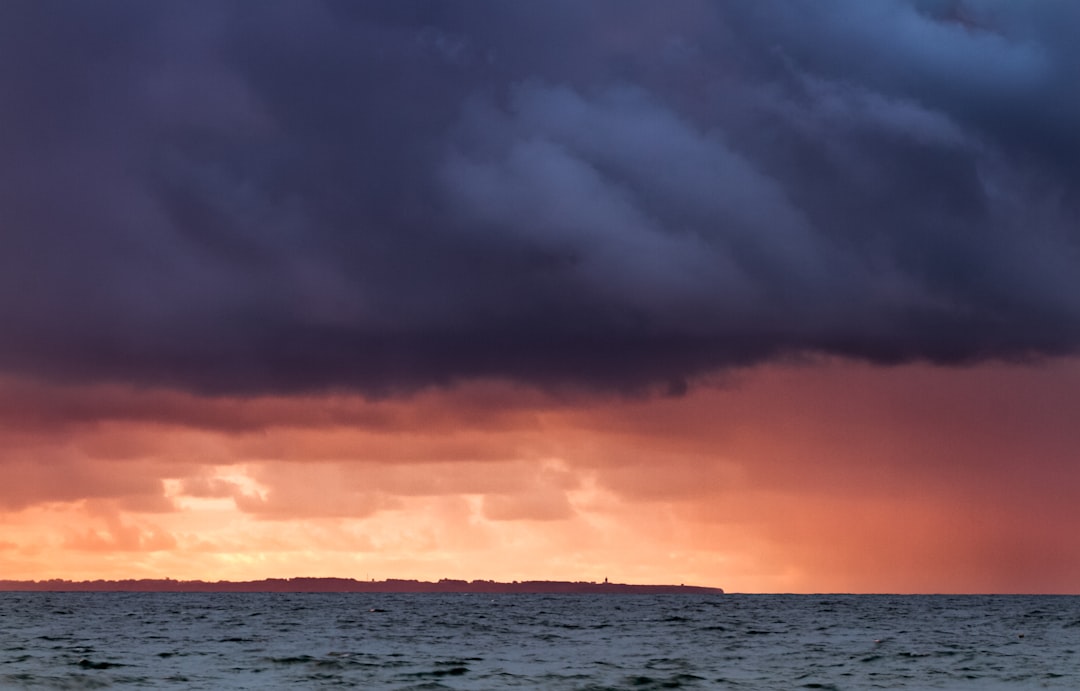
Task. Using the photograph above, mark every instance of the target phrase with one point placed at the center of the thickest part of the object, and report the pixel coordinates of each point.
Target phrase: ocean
(581, 642)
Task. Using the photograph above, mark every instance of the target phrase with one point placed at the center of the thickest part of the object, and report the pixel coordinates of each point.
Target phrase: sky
(769, 295)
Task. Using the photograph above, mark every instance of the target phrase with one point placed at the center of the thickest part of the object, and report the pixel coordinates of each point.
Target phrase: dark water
(277, 641)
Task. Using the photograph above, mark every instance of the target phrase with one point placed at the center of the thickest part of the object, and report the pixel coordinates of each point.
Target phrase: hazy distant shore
(349, 585)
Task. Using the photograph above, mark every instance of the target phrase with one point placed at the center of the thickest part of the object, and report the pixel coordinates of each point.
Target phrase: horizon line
(347, 584)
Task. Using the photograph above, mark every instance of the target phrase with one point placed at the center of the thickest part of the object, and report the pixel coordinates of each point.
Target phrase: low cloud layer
(837, 478)
(282, 196)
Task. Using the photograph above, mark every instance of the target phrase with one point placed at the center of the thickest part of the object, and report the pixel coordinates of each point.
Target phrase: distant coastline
(349, 585)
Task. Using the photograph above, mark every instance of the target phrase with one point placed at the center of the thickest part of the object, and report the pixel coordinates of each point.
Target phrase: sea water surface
(591, 642)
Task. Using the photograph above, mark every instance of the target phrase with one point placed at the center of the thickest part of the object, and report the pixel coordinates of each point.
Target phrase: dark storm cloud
(255, 196)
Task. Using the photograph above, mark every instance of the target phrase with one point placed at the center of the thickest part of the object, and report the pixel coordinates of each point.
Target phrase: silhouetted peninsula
(349, 585)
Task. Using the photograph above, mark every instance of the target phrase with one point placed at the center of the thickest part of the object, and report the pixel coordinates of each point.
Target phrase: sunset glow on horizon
(798, 478)
(765, 295)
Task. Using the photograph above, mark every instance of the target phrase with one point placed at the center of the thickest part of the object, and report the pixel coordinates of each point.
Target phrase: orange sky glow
(830, 476)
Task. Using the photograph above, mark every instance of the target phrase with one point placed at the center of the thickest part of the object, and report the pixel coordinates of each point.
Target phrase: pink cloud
(827, 477)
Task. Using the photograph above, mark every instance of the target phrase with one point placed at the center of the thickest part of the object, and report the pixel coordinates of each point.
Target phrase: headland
(349, 585)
